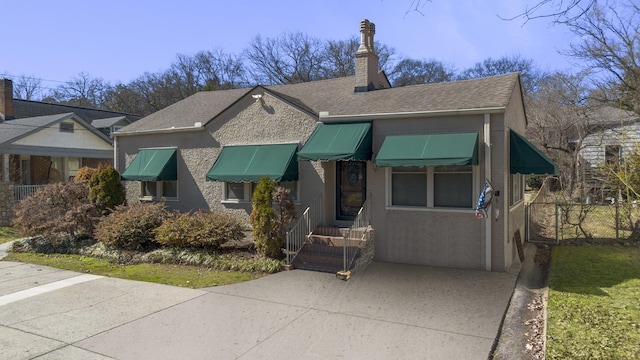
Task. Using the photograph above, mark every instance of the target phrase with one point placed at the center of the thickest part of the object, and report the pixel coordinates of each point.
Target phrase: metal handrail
(21, 192)
(297, 235)
(360, 223)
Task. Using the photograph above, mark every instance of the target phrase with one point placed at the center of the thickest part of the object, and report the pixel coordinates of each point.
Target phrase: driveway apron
(388, 311)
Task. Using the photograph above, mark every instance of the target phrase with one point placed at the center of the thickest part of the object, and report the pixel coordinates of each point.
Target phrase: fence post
(557, 229)
(617, 220)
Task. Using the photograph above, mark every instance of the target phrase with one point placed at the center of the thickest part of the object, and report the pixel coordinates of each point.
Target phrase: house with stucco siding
(392, 174)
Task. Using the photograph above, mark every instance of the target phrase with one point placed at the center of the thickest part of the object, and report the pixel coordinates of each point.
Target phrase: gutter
(196, 127)
(325, 117)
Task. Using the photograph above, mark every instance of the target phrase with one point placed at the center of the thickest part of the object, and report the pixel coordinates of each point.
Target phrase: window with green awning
(153, 165)
(338, 142)
(525, 158)
(429, 150)
(249, 163)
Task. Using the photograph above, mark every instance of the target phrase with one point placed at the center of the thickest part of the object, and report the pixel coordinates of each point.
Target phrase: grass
(594, 303)
(177, 275)
(8, 234)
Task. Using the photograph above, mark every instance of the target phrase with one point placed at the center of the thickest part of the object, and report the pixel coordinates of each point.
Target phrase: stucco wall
(437, 237)
(267, 121)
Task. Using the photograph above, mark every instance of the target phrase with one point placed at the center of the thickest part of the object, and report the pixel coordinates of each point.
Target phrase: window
(156, 190)
(409, 186)
(453, 186)
(242, 192)
(66, 127)
(612, 154)
(432, 187)
(517, 188)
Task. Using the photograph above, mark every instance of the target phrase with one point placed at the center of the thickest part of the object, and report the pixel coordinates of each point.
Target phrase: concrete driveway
(388, 311)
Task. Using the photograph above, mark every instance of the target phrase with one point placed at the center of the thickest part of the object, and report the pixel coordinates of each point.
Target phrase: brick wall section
(6, 203)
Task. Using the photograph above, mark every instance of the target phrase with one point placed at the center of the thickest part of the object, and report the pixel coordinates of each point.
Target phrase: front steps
(323, 249)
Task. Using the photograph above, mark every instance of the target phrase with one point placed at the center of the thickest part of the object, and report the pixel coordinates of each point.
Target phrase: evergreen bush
(106, 190)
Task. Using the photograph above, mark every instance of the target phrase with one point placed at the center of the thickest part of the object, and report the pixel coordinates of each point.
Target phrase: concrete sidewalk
(388, 311)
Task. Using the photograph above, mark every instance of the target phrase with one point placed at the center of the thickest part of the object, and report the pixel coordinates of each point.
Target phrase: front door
(351, 188)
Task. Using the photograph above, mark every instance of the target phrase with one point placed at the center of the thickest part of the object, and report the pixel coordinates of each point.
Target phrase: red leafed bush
(57, 212)
(131, 227)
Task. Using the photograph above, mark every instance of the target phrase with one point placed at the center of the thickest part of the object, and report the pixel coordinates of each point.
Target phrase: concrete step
(334, 240)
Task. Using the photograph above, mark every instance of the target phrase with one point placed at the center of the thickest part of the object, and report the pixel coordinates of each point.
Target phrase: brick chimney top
(6, 100)
(366, 59)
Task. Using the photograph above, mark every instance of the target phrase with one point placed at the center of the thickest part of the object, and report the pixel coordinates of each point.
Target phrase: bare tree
(81, 90)
(529, 73)
(411, 72)
(288, 59)
(27, 87)
(610, 47)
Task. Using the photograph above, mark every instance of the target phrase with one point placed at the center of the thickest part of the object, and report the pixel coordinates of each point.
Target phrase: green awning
(249, 163)
(525, 158)
(429, 150)
(338, 142)
(153, 165)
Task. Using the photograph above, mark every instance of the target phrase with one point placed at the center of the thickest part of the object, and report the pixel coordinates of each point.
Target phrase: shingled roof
(12, 130)
(337, 97)
(26, 109)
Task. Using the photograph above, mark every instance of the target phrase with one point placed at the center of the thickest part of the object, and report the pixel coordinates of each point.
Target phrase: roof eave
(325, 117)
(197, 127)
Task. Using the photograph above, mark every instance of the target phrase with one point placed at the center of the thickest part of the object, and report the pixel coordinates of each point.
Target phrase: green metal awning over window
(525, 158)
(153, 165)
(249, 163)
(338, 142)
(429, 150)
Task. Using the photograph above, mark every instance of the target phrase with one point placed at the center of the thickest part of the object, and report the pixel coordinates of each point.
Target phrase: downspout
(115, 153)
(487, 174)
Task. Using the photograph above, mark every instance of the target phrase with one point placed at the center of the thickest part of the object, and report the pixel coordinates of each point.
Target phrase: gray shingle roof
(338, 98)
(27, 109)
(200, 107)
(109, 122)
(12, 129)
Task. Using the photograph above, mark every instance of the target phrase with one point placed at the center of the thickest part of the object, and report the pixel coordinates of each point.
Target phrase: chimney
(366, 59)
(6, 100)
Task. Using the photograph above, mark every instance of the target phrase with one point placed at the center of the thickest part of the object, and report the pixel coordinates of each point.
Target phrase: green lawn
(177, 275)
(594, 303)
(8, 234)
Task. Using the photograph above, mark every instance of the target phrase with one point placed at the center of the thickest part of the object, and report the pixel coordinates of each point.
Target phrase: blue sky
(119, 40)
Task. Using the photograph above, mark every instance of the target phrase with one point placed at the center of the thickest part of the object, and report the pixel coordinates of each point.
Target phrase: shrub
(261, 219)
(106, 190)
(84, 174)
(131, 227)
(58, 212)
(270, 226)
(207, 230)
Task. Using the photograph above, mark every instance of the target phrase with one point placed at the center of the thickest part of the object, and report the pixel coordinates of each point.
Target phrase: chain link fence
(554, 222)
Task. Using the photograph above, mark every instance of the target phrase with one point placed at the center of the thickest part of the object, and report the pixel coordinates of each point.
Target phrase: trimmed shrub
(131, 227)
(206, 230)
(57, 213)
(106, 190)
(84, 174)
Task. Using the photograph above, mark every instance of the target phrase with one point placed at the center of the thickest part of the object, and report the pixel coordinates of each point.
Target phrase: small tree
(270, 225)
(106, 190)
(84, 174)
(262, 219)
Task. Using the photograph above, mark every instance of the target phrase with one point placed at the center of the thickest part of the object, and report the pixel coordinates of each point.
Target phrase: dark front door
(351, 188)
